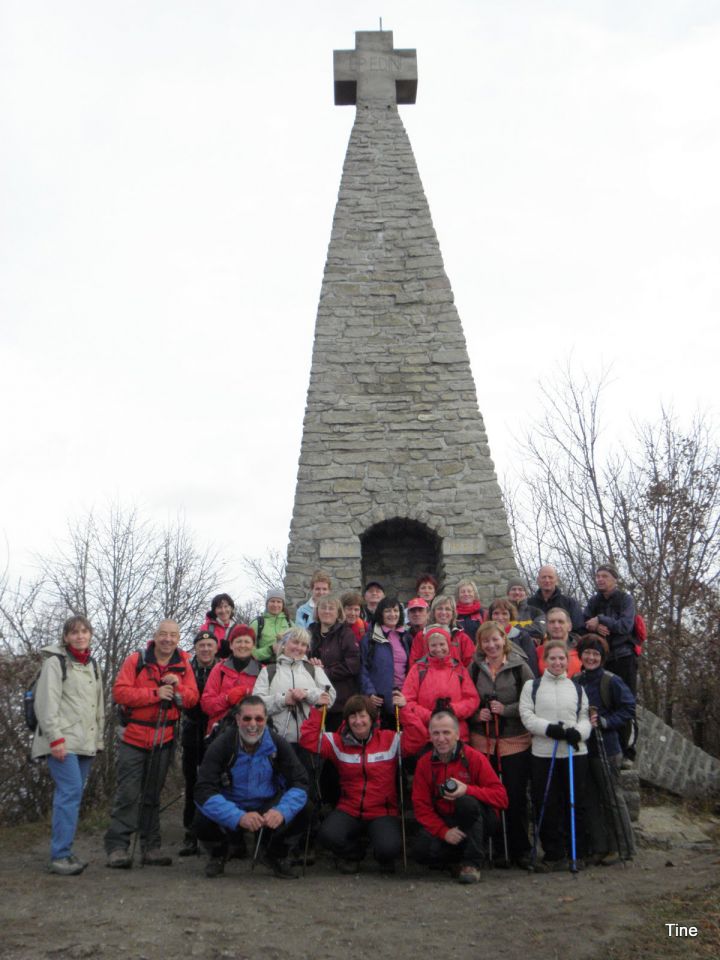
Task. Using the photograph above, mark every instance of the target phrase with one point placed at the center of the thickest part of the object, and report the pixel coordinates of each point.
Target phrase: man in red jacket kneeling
(456, 795)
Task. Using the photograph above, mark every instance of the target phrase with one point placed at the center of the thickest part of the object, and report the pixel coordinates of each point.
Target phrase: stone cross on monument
(395, 476)
(373, 72)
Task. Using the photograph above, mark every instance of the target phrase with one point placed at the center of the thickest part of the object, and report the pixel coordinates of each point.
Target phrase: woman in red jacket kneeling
(366, 759)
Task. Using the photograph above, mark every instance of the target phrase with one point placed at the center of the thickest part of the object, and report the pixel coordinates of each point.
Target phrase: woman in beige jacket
(71, 718)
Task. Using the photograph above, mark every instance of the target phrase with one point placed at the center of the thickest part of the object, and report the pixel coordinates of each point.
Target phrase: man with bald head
(548, 595)
(151, 688)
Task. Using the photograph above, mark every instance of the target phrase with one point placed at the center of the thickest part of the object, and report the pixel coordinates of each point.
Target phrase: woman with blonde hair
(499, 674)
(470, 611)
(443, 613)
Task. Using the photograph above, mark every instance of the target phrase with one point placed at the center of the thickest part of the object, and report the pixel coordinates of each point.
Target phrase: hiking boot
(523, 862)
(280, 868)
(156, 858)
(469, 874)
(215, 867)
(66, 867)
(347, 866)
(189, 847)
(551, 866)
(609, 859)
(119, 859)
(297, 857)
(73, 859)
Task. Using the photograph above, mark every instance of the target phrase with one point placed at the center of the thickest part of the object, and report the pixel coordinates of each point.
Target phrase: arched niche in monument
(397, 551)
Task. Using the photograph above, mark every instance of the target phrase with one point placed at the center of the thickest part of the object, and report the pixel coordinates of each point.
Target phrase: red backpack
(639, 633)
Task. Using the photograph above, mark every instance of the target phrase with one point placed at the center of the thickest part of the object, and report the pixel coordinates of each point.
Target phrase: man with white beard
(250, 780)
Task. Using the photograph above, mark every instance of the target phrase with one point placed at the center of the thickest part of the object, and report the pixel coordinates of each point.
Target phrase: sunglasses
(257, 719)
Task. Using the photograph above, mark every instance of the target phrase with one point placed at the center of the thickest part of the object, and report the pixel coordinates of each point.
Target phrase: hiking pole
(398, 730)
(485, 703)
(170, 803)
(257, 849)
(538, 824)
(315, 759)
(158, 736)
(573, 850)
(612, 796)
(500, 778)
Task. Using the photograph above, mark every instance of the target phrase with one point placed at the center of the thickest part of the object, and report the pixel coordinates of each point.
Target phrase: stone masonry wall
(392, 427)
(667, 759)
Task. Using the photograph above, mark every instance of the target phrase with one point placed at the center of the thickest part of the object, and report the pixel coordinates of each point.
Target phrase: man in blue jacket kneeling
(251, 780)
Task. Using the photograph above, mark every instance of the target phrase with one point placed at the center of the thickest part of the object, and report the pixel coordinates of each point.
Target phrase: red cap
(417, 602)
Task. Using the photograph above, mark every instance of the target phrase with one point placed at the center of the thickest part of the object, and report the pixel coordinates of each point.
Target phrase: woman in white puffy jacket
(70, 727)
(290, 687)
(555, 711)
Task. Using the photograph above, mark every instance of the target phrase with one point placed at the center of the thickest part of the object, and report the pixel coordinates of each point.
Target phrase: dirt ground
(154, 913)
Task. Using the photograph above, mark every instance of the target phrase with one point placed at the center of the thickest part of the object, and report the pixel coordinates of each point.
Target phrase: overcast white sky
(168, 175)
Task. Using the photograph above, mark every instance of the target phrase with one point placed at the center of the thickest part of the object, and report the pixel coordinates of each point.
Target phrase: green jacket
(274, 626)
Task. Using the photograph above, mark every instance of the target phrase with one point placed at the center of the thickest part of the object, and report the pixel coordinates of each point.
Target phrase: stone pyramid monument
(395, 476)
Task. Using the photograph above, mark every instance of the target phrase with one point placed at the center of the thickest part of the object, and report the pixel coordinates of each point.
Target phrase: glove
(573, 737)
(556, 731)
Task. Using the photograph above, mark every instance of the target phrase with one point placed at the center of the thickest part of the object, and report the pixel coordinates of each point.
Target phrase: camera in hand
(448, 787)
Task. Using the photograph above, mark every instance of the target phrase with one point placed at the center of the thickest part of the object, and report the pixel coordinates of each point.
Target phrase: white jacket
(288, 674)
(71, 709)
(556, 701)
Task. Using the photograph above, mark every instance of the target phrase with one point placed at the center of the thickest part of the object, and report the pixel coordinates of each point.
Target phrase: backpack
(516, 672)
(272, 670)
(31, 720)
(639, 634)
(124, 712)
(629, 731)
(225, 773)
(578, 688)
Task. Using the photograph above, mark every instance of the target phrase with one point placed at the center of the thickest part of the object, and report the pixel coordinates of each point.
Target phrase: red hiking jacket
(225, 687)
(468, 766)
(462, 648)
(139, 691)
(431, 679)
(368, 781)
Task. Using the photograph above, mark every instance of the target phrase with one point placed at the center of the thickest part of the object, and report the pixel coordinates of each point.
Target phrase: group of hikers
(362, 725)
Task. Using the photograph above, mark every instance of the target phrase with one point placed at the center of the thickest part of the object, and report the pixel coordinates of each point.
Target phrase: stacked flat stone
(392, 431)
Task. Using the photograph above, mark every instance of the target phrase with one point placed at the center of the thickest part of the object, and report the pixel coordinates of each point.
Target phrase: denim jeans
(70, 776)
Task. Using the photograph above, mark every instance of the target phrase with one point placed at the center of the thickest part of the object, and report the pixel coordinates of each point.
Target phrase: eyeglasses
(257, 719)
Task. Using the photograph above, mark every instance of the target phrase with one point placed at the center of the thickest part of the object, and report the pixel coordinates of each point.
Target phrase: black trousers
(627, 669)
(342, 834)
(475, 819)
(193, 751)
(515, 778)
(275, 843)
(555, 832)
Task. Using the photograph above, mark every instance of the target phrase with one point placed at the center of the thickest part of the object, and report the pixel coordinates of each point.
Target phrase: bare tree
(651, 505)
(125, 575)
(264, 573)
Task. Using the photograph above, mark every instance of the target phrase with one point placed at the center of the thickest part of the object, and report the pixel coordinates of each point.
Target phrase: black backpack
(31, 720)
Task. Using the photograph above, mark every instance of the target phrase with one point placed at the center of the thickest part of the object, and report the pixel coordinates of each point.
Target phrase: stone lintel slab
(340, 550)
(467, 546)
